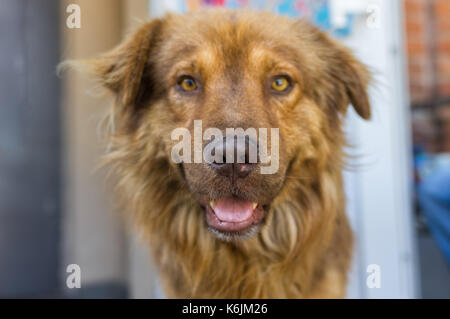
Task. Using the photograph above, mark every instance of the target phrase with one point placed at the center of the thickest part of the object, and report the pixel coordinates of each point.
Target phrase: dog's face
(236, 70)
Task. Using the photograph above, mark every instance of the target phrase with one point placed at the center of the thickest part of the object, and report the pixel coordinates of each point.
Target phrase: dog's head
(191, 78)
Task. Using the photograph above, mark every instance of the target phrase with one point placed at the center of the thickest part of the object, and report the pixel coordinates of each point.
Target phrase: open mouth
(233, 215)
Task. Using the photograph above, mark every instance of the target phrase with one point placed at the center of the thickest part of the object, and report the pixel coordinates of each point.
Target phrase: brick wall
(427, 24)
(442, 44)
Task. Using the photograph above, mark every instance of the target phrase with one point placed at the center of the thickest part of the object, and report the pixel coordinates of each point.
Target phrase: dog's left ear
(355, 77)
(351, 79)
(340, 79)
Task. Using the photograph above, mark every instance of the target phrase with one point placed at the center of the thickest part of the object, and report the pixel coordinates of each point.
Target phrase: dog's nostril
(233, 169)
(240, 164)
(223, 169)
(223, 162)
(224, 158)
(242, 170)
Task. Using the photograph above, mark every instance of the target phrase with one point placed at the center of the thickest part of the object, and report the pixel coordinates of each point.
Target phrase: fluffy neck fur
(302, 251)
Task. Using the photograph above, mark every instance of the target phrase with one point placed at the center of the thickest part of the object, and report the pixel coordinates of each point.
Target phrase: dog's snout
(236, 157)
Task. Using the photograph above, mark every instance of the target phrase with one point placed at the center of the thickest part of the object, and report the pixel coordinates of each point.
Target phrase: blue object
(434, 198)
(316, 11)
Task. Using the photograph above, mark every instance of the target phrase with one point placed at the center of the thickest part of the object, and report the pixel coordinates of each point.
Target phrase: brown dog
(226, 230)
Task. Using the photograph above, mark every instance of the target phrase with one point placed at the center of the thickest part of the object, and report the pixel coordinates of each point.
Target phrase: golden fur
(304, 248)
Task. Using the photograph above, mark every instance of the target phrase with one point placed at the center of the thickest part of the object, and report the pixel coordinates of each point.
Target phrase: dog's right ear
(126, 71)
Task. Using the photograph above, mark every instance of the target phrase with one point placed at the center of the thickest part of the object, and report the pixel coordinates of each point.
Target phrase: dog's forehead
(227, 39)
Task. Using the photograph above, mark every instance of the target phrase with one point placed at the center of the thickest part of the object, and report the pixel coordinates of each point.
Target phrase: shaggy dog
(221, 230)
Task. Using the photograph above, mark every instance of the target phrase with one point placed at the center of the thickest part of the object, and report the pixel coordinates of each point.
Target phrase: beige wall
(93, 231)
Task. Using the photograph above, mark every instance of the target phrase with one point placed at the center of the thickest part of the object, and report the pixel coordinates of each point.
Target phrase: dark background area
(30, 188)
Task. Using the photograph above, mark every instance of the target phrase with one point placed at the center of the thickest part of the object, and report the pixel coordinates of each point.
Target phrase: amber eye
(188, 84)
(280, 84)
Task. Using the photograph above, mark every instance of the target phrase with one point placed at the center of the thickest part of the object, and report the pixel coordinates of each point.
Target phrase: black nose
(240, 162)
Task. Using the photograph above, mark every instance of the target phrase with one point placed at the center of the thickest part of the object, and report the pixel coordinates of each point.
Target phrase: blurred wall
(428, 42)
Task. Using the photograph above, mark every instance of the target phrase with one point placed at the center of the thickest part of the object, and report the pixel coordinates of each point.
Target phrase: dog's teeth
(255, 205)
(212, 204)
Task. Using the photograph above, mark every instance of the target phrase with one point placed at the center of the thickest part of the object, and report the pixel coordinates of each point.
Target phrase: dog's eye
(281, 84)
(188, 84)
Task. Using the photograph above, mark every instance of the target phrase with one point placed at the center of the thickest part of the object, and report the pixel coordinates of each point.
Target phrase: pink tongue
(233, 210)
